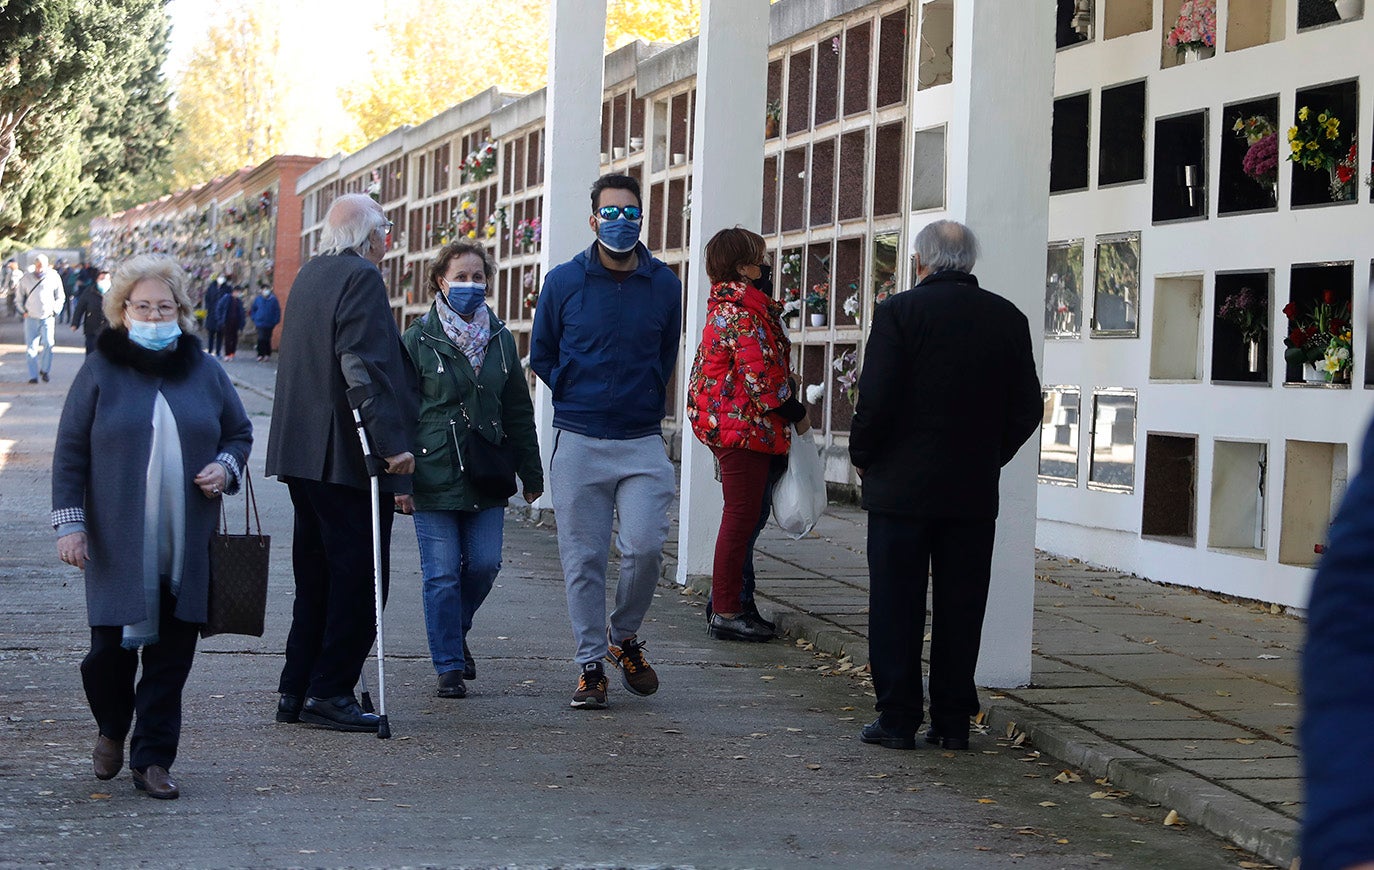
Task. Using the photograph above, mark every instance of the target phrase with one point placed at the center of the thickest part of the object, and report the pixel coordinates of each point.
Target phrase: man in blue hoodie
(606, 335)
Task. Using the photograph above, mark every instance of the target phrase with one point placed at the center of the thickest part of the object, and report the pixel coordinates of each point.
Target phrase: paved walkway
(1178, 697)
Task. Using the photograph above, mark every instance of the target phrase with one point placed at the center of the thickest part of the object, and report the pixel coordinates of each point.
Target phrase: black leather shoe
(469, 666)
(877, 734)
(751, 610)
(947, 741)
(451, 685)
(289, 708)
(341, 714)
(737, 628)
(156, 782)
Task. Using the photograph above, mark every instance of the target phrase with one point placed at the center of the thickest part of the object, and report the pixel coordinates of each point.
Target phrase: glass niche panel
(1314, 480)
(928, 169)
(1121, 139)
(1323, 133)
(1112, 466)
(1124, 17)
(1180, 176)
(1064, 289)
(1247, 180)
(1190, 32)
(1315, 13)
(1059, 435)
(1240, 328)
(1069, 143)
(1116, 286)
(1073, 22)
(1318, 332)
(883, 266)
(935, 66)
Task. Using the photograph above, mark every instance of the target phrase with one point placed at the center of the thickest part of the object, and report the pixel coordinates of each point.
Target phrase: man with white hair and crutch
(340, 349)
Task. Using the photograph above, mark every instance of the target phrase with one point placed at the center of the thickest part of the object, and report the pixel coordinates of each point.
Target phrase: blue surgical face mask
(103, 287)
(465, 297)
(153, 335)
(618, 236)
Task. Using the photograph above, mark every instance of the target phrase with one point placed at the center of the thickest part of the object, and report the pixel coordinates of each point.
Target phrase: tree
(69, 71)
(229, 97)
(416, 73)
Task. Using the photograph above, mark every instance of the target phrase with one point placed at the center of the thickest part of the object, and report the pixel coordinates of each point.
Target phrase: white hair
(350, 223)
(944, 245)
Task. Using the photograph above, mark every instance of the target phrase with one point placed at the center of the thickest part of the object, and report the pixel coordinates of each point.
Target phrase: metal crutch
(356, 397)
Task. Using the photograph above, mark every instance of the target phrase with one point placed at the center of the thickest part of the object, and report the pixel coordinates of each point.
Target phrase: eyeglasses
(387, 227)
(611, 212)
(145, 310)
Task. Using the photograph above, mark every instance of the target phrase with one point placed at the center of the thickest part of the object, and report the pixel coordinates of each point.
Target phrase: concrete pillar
(727, 189)
(999, 156)
(577, 39)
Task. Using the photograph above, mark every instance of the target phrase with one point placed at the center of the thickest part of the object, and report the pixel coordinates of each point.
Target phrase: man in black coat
(947, 395)
(89, 313)
(339, 335)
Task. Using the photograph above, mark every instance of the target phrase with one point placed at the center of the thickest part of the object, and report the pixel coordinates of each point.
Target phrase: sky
(322, 34)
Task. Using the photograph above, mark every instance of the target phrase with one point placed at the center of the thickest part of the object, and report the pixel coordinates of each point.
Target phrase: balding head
(945, 245)
(353, 223)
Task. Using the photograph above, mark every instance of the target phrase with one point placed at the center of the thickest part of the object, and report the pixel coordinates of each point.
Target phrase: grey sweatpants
(589, 479)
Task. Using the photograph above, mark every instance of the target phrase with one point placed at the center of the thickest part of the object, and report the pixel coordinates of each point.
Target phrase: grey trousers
(592, 479)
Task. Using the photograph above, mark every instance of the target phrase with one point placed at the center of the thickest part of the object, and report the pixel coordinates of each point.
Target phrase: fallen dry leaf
(1068, 776)
(1048, 804)
(813, 767)
(1172, 819)
(99, 796)
(986, 801)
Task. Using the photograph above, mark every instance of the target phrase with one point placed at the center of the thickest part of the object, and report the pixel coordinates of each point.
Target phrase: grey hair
(350, 223)
(946, 245)
(148, 267)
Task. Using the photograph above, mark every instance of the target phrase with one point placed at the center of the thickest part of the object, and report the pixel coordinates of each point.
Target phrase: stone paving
(1179, 696)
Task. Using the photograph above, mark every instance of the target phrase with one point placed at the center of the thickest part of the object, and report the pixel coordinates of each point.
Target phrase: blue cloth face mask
(154, 336)
(618, 236)
(466, 297)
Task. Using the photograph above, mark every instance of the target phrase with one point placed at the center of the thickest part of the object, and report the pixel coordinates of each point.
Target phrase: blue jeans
(460, 555)
(39, 334)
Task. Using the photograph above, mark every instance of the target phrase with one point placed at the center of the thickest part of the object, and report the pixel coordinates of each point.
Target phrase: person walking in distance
(214, 338)
(605, 341)
(231, 319)
(340, 337)
(43, 298)
(932, 429)
(265, 313)
(89, 313)
(9, 287)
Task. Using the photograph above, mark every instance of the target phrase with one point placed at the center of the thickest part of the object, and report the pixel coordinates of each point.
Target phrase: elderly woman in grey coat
(152, 434)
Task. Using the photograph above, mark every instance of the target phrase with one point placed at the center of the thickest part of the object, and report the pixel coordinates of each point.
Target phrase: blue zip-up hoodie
(607, 349)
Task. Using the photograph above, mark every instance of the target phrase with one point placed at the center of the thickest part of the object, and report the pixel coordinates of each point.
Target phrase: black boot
(739, 627)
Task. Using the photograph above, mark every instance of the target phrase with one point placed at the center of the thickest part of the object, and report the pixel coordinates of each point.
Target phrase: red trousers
(743, 477)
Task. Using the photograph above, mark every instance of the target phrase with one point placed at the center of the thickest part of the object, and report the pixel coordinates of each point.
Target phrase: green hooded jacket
(457, 403)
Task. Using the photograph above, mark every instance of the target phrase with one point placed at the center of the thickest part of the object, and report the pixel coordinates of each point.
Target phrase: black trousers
(333, 623)
(957, 554)
(153, 707)
(265, 340)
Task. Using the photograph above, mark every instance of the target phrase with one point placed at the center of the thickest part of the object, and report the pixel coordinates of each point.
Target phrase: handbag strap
(251, 500)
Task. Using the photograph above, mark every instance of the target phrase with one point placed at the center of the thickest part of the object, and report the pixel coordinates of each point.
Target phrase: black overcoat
(338, 331)
(947, 394)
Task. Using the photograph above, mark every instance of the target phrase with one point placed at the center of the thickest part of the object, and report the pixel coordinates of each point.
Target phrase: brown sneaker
(635, 672)
(591, 688)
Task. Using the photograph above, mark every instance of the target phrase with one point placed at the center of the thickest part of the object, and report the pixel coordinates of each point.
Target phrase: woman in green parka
(471, 386)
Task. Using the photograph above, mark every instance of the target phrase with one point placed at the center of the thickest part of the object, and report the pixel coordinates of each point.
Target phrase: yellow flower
(1312, 146)
(1297, 147)
(1303, 113)
(472, 234)
(491, 230)
(1331, 133)
(1323, 118)
(1292, 133)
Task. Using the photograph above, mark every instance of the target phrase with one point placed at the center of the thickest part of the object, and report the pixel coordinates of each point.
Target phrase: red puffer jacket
(740, 373)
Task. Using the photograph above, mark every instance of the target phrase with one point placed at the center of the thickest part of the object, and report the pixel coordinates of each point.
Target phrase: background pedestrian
(214, 338)
(266, 314)
(43, 298)
(230, 316)
(89, 313)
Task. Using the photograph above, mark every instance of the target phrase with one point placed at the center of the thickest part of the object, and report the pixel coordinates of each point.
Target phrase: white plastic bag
(799, 496)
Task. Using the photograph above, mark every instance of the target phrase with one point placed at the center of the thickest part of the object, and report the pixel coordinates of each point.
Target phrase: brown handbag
(238, 575)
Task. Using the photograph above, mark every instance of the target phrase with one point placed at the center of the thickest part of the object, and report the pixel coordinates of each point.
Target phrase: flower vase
(1253, 356)
(1340, 377)
(1312, 375)
(1341, 191)
(1349, 9)
(770, 127)
(817, 319)
(1191, 54)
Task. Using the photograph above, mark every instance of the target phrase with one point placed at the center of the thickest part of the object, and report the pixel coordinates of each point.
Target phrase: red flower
(1328, 297)
(1296, 337)
(1337, 326)
(1310, 332)
(1290, 311)
(1344, 173)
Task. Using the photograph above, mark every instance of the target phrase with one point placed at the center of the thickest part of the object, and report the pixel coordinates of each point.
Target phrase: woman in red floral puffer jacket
(741, 402)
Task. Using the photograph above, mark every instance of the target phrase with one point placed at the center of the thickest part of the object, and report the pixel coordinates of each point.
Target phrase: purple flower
(1262, 159)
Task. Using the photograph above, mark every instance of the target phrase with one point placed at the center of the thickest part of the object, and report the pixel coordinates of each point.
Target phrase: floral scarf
(469, 337)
